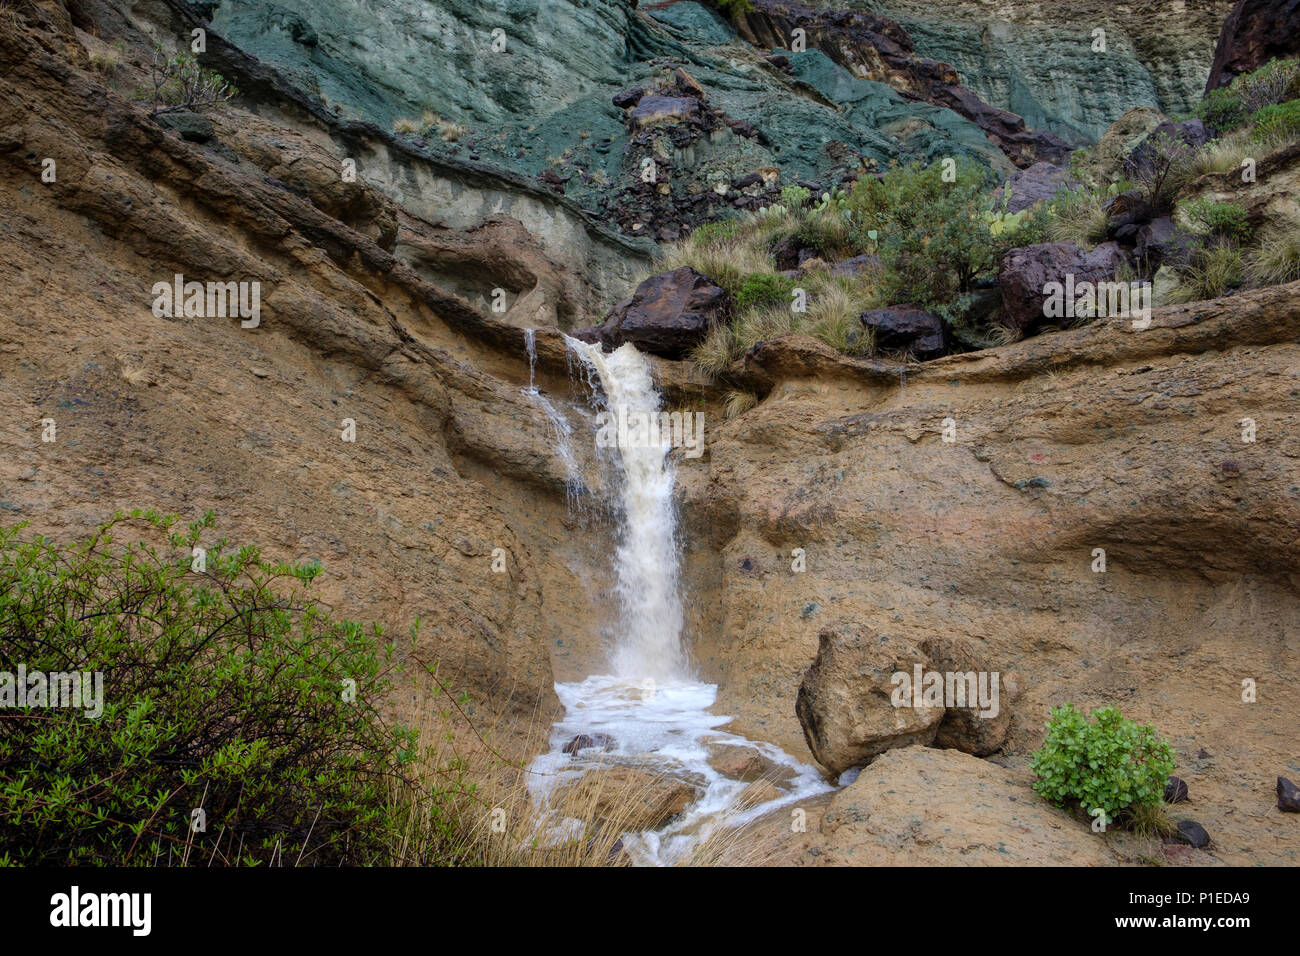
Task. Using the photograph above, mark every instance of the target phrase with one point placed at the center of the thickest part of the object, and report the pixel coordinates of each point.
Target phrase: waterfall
(560, 426)
(648, 646)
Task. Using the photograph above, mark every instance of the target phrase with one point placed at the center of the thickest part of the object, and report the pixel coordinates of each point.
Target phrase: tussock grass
(737, 403)
(1216, 269)
(1277, 259)
(1078, 216)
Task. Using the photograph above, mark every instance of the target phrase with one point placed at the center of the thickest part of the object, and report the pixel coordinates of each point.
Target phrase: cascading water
(650, 705)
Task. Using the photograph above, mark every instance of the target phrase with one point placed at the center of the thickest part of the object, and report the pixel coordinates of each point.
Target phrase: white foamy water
(560, 426)
(650, 703)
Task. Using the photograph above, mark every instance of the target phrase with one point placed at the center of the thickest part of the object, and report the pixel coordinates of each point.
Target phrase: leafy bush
(1159, 168)
(1217, 218)
(934, 237)
(223, 688)
(1109, 762)
(1278, 123)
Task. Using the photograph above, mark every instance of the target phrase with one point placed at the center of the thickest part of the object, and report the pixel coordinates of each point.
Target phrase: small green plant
(1275, 82)
(711, 232)
(180, 83)
(733, 8)
(1106, 762)
(759, 289)
(795, 196)
(1221, 219)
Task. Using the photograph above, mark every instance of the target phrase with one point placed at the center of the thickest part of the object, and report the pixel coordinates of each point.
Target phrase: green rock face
(1037, 59)
(536, 97)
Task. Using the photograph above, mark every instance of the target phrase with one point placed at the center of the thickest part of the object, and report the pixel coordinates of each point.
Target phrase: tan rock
(626, 797)
(745, 763)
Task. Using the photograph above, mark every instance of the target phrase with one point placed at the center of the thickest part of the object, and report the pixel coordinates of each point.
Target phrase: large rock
(1254, 32)
(626, 797)
(746, 764)
(653, 110)
(1024, 274)
(668, 314)
(925, 807)
(906, 328)
(979, 725)
(1039, 183)
(1185, 138)
(845, 701)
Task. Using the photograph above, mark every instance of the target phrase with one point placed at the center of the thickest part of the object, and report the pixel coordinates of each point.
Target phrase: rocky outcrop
(668, 314)
(1254, 32)
(1041, 182)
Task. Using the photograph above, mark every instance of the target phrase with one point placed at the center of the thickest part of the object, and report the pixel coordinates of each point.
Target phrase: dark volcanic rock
(1025, 273)
(192, 127)
(906, 328)
(1176, 790)
(1193, 834)
(625, 98)
(1188, 136)
(1288, 796)
(1253, 33)
(585, 741)
(668, 313)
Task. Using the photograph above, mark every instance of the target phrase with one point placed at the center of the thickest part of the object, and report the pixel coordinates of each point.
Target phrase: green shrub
(935, 238)
(1221, 110)
(711, 232)
(1223, 219)
(180, 83)
(1214, 270)
(1107, 762)
(1277, 124)
(1274, 82)
(223, 688)
(760, 289)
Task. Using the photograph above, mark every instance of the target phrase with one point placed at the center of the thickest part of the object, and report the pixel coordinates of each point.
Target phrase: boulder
(1024, 274)
(584, 741)
(746, 764)
(626, 797)
(668, 313)
(855, 266)
(906, 328)
(1254, 32)
(1039, 183)
(1160, 241)
(654, 110)
(845, 702)
(1193, 834)
(980, 726)
(1288, 796)
(760, 791)
(628, 98)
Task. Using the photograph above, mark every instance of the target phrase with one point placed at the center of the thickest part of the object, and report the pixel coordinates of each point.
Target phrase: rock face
(1254, 32)
(924, 807)
(845, 701)
(668, 314)
(1024, 275)
(1038, 59)
(906, 328)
